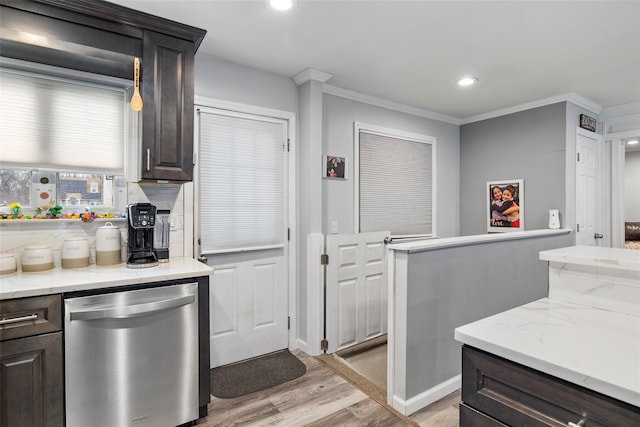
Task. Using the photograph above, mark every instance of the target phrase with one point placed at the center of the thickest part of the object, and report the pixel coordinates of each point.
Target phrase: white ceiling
(411, 52)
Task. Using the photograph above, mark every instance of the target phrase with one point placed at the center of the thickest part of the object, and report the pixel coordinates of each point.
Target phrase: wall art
(505, 205)
(335, 167)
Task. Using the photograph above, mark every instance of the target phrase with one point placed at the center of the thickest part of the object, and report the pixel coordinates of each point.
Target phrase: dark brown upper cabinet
(104, 38)
(167, 115)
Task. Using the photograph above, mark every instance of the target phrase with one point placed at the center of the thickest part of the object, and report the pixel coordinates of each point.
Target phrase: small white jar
(37, 258)
(7, 264)
(75, 252)
(108, 245)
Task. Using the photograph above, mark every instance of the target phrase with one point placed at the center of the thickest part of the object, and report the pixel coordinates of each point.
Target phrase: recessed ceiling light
(632, 142)
(281, 4)
(467, 81)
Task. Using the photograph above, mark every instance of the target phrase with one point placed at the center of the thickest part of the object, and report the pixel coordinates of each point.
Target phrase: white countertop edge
(577, 378)
(59, 280)
(447, 242)
(511, 352)
(594, 256)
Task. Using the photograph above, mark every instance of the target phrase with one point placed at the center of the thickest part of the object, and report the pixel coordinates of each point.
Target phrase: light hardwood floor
(321, 398)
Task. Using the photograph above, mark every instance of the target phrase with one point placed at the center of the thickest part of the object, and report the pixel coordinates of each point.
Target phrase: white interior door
(588, 205)
(356, 293)
(248, 305)
(242, 222)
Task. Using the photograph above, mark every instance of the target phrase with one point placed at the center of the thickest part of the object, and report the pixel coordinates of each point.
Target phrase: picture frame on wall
(505, 205)
(335, 167)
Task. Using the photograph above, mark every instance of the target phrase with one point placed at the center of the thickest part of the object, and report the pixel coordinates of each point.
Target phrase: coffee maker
(140, 230)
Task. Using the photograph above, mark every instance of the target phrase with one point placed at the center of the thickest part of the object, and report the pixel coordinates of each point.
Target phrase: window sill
(56, 220)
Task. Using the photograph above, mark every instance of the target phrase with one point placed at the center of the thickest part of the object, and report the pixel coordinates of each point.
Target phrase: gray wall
(529, 145)
(218, 79)
(632, 186)
(450, 287)
(339, 114)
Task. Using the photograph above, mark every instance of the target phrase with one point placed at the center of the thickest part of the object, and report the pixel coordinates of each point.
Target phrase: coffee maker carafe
(141, 221)
(161, 235)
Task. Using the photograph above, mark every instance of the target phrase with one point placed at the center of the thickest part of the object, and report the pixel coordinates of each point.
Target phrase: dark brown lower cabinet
(31, 381)
(498, 392)
(31, 364)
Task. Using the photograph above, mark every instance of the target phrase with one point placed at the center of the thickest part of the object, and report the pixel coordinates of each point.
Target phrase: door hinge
(288, 234)
(324, 259)
(195, 158)
(324, 345)
(288, 323)
(578, 228)
(578, 154)
(288, 145)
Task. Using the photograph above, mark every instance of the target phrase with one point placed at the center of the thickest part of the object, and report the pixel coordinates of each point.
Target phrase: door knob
(598, 236)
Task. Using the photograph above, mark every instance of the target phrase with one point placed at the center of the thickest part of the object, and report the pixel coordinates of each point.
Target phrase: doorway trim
(617, 153)
(290, 118)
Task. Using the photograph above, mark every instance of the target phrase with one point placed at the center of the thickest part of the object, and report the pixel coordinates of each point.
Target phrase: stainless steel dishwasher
(131, 358)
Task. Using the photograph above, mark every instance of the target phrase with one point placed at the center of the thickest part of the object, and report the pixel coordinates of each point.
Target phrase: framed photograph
(335, 167)
(505, 205)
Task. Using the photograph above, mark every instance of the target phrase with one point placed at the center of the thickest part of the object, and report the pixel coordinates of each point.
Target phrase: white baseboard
(300, 345)
(426, 398)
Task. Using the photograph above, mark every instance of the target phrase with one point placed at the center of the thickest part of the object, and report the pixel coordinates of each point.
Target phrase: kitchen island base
(496, 391)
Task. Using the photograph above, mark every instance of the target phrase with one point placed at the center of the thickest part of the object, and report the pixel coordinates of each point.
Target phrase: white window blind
(395, 176)
(242, 183)
(60, 124)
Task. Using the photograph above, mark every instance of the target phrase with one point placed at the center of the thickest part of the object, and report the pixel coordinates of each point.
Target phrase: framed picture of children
(505, 205)
(335, 167)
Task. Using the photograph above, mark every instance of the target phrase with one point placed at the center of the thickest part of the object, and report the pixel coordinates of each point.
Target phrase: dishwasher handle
(131, 310)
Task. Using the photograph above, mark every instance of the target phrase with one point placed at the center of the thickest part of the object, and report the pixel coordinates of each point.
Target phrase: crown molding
(569, 97)
(585, 103)
(384, 103)
(620, 110)
(310, 74)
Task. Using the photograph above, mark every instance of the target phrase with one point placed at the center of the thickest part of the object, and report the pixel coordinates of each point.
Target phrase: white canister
(108, 245)
(7, 264)
(75, 252)
(37, 258)
(554, 219)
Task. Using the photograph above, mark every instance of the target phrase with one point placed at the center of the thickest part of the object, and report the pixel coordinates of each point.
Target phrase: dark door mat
(248, 376)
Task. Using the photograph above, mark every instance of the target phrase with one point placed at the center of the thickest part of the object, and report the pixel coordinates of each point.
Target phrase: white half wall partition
(438, 285)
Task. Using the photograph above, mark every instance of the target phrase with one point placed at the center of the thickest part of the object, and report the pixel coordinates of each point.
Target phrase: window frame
(131, 139)
(397, 134)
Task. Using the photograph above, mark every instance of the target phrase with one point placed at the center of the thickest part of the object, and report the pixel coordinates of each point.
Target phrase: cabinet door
(167, 113)
(520, 396)
(31, 382)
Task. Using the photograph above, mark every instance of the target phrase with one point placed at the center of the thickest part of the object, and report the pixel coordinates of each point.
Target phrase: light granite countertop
(594, 256)
(594, 348)
(60, 280)
(587, 331)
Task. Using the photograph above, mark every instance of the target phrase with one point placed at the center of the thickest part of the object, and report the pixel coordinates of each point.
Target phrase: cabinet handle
(19, 319)
(580, 423)
(148, 159)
